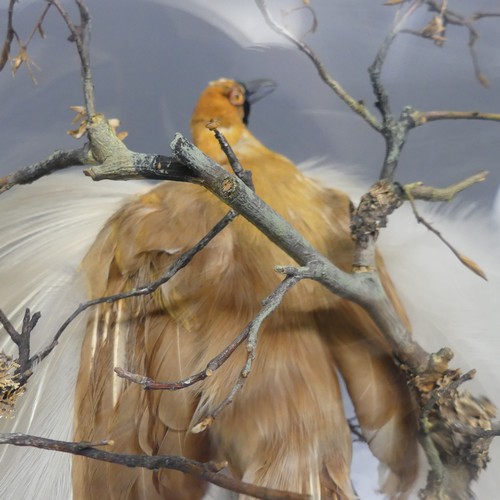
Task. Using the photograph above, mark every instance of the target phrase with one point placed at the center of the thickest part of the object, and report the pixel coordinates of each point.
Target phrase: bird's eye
(236, 97)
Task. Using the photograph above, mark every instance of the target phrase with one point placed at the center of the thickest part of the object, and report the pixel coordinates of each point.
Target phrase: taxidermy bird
(286, 428)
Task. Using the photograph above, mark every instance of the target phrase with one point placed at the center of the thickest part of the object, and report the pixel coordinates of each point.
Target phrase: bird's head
(226, 103)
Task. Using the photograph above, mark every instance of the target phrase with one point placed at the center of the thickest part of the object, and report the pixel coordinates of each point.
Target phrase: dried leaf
(10, 389)
(81, 113)
(472, 266)
(80, 131)
(394, 2)
(24, 58)
(483, 80)
(434, 28)
(81, 120)
(203, 425)
(122, 135)
(114, 123)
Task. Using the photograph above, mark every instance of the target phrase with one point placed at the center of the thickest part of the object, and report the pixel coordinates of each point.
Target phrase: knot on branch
(104, 141)
(373, 209)
(229, 187)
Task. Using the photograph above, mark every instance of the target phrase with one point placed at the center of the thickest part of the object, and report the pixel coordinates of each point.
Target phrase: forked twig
(269, 305)
(356, 105)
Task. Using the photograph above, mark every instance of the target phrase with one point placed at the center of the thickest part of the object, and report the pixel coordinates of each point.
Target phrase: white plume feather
(46, 229)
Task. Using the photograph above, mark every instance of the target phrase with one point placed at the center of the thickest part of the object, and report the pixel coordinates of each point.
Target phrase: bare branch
(418, 191)
(363, 288)
(209, 471)
(481, 15)
(38, 24)
(81, 36)
(375, 69)
(423, 117)
(4, 57)
(58, 160)
(214, 364)
(23, 343)
(356, 105)
(244, 175)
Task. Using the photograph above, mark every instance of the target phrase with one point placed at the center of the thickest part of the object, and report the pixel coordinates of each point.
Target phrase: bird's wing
(45, 229)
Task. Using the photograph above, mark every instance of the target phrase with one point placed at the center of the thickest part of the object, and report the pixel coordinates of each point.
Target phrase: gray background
(152, 58)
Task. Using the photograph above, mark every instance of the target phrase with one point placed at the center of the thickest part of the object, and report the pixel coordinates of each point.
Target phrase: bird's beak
(257, 89)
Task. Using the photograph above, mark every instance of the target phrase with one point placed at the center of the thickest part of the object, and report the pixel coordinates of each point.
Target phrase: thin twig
(213, 365)
(480, 15)
(38, 25)
(466, 261)
(418, 191)
(356, 105)
(244, 175)
(422, 117)
(375, 68)
(58, 160)
(394, 131)
(81, 36)
(9, 36)
(478, 432)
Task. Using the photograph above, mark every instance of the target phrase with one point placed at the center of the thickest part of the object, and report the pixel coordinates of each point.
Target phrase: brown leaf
(483, 80)
(10, 389)
(81, 113)
(80, 131)
(203, 425)
(122, 135)
(472, 266)
(435, 27)
(114, 123)
(24, 58)
(394, 2)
